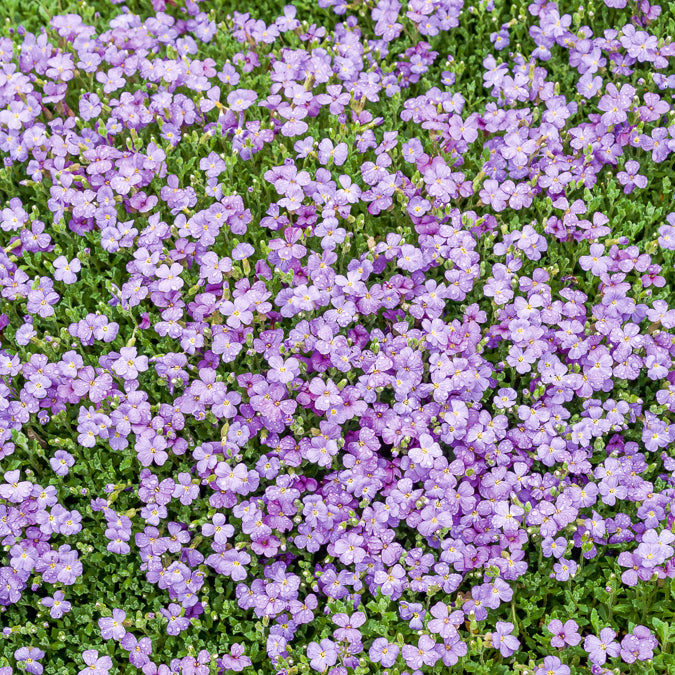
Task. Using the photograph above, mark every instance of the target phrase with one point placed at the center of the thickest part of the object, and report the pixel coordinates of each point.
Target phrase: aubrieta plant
(338, 338)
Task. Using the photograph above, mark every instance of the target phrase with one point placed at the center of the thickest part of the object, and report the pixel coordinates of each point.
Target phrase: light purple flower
(66, 271)
(552, 666)
(61, 462)
(384, 652)
(111, 627)
(58, 604)
(241, 99)
(129, 364)
(96, 665)
(601, 648)
(322, 655)
(503, 640)
(31, 657)
(236, 660)
(242, 250)
(337, 153)
(566, 634)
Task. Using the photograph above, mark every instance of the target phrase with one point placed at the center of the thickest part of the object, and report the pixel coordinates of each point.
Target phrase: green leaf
(662, 630)
(595, 621)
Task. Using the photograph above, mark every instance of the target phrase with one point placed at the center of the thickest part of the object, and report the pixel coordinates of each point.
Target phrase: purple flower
(66, 271)
(41, 301)
(589, 85)
(427, 451)
(169, 277)
(564, 634)
(58, 605)
(444, 622)
(322, 655)
(111, 627)
(349, 550)
(151, 448)
(348, 627)
(283, 370)
(13, 489)
(96, 665)
(176, 623)
(241, 99)
(552, 666)
(236, 660)
(391, 582)
(337, 153)
(630, 178)
(129, 364)
(596, 262)
(384, 652)
(638, 645)
(31, 657)
(601, 648)
(503, 640)
(423, 654)
(213, 165)
(615, 104)
(139, 650)
(414, 613)
(294, 116)
(242, 251)
(564, 569)
(61, 462)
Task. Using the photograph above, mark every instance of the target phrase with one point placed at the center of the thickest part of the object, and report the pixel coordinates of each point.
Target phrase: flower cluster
(265, 276)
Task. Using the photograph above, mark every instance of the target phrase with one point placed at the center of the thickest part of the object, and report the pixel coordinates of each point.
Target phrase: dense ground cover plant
(337, 338)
